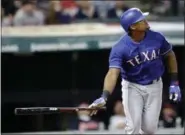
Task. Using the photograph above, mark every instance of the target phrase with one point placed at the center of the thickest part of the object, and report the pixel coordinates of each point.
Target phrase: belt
(152, 82)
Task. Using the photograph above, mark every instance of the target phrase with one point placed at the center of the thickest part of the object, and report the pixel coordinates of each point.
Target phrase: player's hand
(98, 103)
(175, 93)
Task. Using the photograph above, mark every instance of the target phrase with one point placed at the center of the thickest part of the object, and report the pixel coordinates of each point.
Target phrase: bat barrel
(51, 110)
(35, 111)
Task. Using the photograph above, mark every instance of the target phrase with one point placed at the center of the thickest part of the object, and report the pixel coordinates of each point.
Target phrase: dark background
(60, 79)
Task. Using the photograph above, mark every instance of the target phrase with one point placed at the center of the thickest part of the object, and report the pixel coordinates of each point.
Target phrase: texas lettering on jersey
(143, 57)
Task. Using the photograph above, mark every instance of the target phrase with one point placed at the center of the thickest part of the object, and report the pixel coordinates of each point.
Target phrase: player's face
(140, 26)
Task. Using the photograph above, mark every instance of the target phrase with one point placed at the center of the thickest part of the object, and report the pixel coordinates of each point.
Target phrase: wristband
(105, 94)
(174, 78)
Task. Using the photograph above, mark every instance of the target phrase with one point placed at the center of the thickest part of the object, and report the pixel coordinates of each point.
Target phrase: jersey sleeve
(115, 58)
(166, 46)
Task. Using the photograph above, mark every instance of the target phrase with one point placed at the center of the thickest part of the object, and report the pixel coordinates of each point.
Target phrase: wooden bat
(52, 110)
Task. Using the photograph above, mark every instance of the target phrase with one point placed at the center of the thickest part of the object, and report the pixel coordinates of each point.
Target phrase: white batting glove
(100, 102)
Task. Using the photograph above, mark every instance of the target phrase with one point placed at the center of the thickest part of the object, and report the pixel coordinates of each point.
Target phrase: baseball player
(138, 56)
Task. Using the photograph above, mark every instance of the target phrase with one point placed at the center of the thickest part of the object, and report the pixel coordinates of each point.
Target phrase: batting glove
(175, 93)
(100, 102)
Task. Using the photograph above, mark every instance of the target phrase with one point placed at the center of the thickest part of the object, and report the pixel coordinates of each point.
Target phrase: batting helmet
(131, 16)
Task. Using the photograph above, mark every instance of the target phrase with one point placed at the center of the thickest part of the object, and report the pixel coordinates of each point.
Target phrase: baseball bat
(51, 110)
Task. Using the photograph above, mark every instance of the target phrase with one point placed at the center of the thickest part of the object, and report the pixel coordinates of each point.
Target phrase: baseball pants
(142, 106)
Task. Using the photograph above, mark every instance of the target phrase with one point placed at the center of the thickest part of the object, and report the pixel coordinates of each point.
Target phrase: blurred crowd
(40, 12)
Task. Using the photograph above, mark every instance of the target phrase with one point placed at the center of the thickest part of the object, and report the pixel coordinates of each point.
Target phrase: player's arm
(110, 81)
(170, 59)
(169, 55)
(172, 65)
(115, 64)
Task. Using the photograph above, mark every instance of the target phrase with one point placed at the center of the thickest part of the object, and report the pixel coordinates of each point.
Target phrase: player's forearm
(172, 65)
(110, 82)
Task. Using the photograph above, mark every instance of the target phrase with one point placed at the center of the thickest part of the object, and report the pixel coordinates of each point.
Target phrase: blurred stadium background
(55, 53)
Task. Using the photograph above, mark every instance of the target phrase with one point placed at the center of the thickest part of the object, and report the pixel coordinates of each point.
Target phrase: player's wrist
(174, 79)
(105, 94)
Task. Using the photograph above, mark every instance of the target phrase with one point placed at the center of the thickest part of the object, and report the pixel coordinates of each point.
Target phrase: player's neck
(138, 36)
